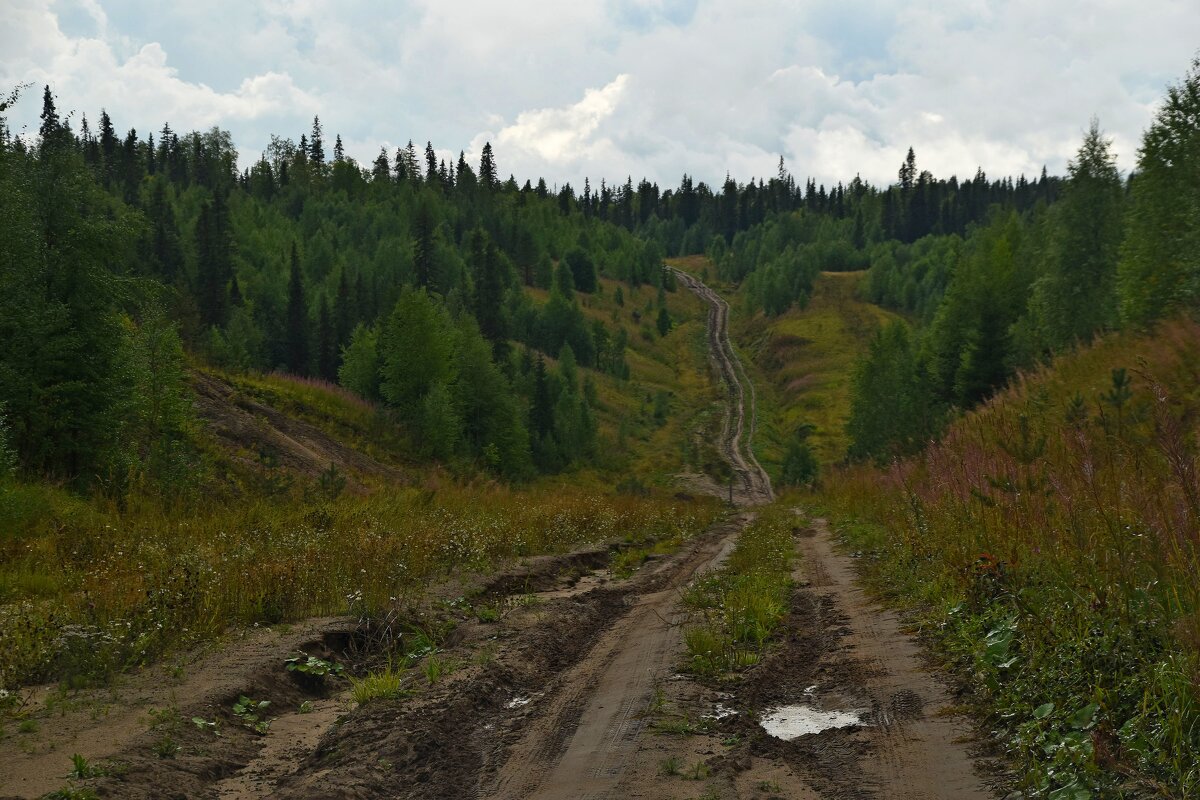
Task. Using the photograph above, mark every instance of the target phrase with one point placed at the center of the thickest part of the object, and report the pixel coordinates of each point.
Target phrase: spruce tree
(52, 129)
(316, 145)
(213, 267)
(489, 293)
(296, 333)
(487, 169)
(541, 410)
(343, 311)
(431, 164)
(664, 321)
(423, 244)
(326, 343)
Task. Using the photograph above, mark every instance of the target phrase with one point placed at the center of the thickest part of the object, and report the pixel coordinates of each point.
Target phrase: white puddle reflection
(792, 722)
(721, 711)
(517, 702)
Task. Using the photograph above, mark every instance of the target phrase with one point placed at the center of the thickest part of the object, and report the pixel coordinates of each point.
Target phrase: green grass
(386, 684)
(803, 362)
(735, 610)
(133, 583)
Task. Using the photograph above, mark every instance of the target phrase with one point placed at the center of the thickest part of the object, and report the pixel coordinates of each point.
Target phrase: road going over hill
(753, 485)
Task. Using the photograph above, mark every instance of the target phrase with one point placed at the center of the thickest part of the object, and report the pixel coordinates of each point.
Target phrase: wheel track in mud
(736, 442)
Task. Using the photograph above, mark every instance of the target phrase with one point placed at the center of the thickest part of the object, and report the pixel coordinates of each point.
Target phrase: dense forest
(404, 281)
(992, 277)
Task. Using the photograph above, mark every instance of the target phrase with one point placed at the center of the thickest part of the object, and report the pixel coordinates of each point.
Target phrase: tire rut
(586, 731)
(735, 445)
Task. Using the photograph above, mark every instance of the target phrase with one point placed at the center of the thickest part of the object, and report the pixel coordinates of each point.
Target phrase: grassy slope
(1051, 546)
(802, 361)
(266, 537)
(805, 360)
(634, 442)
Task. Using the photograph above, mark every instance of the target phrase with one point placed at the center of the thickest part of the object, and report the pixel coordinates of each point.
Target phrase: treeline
(779, 253)
(1024, 284)
(120, 252)
(685, 220)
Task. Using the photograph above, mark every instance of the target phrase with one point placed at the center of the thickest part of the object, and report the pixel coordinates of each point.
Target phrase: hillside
(806, 360)
(1049, 542)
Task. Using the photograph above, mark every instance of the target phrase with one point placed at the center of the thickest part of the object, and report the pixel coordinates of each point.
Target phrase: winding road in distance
(735, 445)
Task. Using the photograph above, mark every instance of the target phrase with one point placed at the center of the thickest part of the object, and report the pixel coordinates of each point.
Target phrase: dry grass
(1065, 516)
(88, 591)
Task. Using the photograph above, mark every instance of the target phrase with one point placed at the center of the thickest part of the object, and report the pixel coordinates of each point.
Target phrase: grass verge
(87, 592)
(735, 610)
(1050, 544)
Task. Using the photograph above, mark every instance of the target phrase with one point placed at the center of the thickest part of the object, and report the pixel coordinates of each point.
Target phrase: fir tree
(431, 164)
(316, 145)
(541, 409)
(326, 343)
(296, 333)
(423, 244)
(487, 168)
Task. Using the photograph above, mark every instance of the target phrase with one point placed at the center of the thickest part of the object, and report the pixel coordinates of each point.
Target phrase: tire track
(735, 446)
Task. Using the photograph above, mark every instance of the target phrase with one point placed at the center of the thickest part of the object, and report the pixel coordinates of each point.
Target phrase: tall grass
(84, 591)
(1055, 535)
(735, 610)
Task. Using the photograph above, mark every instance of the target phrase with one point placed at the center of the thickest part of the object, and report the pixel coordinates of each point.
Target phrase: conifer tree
(214, 261)
(343, 311)
(1160, 257)
(326, 344)
(487, 168)
(381, 170)
(431, 164)
(583, 269)
(489, 294)
(664, 321)
(296, 334)
(423, 244)
(1080, 287)
(543, 271)
(541, 410)
(52, 129)
(316, 144)
(466, 178)
(564, 280)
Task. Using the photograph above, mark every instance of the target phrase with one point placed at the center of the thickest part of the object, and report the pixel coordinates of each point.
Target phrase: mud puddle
(792, 722)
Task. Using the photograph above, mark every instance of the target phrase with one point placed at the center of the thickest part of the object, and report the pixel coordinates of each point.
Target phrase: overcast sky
(655, 88)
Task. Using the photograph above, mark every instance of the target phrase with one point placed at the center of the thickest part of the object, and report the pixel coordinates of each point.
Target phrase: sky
(617, 88)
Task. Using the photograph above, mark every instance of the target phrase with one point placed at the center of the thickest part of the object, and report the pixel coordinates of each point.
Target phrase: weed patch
(735, 610)
(1050, 543)
(124, 586)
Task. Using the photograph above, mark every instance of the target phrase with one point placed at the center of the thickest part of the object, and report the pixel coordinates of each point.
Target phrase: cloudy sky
(610, 88)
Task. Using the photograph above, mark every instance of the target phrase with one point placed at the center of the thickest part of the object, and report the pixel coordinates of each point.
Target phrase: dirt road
(600, 704)
(569, 687)
(754, 485)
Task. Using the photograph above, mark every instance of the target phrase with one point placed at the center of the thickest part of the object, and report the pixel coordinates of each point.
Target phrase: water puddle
(517, 702)
(792, 722)
(721, 711)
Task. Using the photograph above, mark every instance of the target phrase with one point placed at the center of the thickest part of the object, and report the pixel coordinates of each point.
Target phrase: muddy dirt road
(741, 413)
(598, 709)
(569, 686)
